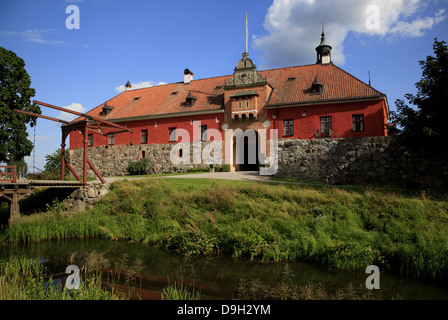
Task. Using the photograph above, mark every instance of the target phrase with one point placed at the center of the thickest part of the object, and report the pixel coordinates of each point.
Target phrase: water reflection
(147, 270)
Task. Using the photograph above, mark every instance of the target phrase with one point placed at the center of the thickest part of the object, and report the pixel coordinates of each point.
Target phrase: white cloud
(294, 26)
(35, 35)
(69, 116)
(416, 28)
(139, 85)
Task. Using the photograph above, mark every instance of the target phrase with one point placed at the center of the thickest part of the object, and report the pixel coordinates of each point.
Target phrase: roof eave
(305, 103)
(167, 115)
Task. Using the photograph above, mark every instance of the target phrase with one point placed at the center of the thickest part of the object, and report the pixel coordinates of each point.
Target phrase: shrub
(198, 169)
(141, 167)
(223, 168)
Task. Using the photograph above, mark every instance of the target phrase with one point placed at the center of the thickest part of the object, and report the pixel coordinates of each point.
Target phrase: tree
(15, 93)
(21, 167)
(53, 164)
(424, 129)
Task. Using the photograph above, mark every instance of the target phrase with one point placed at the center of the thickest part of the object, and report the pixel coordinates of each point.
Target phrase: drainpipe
(276, 112)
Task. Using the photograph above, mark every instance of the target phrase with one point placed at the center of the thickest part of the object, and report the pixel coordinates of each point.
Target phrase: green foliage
(141, 167)
(223, 168)
(26, 279)
(343, 229)
(198, 169)
(423, 129)
(15, 93)
(179, 292)
(53, 162)
(21, 167)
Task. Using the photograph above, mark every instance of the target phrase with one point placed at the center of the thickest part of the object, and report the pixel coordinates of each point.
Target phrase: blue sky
(152, 42)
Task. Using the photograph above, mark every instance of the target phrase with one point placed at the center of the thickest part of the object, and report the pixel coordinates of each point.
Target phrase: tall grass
(26, 279)
(341, 228)
(176, 291)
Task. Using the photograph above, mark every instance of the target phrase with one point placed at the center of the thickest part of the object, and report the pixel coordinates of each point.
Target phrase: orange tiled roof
(170, 98)
(337, 85)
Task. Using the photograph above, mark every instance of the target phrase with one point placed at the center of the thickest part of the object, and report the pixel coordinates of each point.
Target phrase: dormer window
(316, 87)
(190, 100)
(106, 109)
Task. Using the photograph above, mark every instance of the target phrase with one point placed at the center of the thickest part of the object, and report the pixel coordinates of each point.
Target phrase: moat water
(150, 269)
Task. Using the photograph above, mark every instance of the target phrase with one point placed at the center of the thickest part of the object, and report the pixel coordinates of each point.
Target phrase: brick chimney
(188, 76)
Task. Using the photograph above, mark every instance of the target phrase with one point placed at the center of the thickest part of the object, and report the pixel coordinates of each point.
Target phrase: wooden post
(86, 141)
(62, 161)
(14, 209)
(14, 206)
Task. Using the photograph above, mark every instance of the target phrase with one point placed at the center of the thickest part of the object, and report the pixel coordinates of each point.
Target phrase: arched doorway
(245, 150)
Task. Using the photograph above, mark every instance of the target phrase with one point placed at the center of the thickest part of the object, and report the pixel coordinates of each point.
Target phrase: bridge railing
(8, 176)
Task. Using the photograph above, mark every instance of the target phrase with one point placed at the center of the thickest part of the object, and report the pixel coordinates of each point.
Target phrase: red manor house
(304, 102)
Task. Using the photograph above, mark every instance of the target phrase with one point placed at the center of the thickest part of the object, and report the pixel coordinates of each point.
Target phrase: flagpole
(247, 33)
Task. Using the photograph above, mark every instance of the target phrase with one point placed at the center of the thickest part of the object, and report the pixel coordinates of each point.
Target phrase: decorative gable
(245, 75)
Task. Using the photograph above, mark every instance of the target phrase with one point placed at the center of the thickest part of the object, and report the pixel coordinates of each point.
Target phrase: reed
(26, 279)
(176, 291)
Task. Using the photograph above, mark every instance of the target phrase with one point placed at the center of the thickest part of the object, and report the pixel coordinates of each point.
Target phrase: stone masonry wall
(373, 160)
(114, 160)
(85, 197)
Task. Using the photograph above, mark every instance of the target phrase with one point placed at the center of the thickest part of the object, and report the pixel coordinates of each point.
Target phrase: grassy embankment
(343, 228)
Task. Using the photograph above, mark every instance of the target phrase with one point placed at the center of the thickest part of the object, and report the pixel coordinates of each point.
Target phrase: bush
(198, 169)
(141, 167)
(223, 168)
(44, 175)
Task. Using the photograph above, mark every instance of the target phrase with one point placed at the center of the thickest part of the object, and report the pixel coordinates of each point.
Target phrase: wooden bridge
(14, 189)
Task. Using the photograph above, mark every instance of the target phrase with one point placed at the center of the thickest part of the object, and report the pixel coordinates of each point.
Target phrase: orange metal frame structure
(88, 124)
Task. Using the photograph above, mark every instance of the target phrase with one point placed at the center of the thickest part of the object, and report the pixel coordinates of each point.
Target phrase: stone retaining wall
(85, 197)
(372, 160)
(114, 160)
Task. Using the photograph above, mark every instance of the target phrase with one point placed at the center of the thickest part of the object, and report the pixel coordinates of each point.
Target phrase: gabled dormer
(316, 87)
(190, 100)
(106, 109)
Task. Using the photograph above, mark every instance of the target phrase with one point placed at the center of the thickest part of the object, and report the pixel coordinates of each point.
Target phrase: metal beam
(41, 116)
(82, 115)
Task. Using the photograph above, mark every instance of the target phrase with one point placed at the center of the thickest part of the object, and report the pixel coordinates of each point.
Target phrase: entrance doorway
(245, 151)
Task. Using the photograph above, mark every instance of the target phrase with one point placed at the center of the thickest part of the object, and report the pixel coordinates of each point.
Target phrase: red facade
(303, 102)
